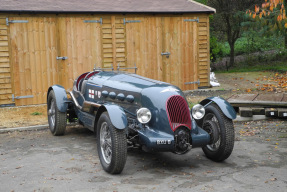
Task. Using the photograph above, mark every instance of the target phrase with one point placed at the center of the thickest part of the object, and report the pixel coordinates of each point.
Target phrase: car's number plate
(163, 142)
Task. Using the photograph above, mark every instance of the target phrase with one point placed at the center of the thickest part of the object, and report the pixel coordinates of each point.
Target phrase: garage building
(48, 42)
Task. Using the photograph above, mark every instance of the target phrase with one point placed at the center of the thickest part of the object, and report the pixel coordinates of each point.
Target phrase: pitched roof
(104, 6)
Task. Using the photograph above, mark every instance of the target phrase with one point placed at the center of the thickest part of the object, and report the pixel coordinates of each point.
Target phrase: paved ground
(38, 161)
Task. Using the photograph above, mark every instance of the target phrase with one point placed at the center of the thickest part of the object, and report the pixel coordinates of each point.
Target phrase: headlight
(198, 111)
(143, 115)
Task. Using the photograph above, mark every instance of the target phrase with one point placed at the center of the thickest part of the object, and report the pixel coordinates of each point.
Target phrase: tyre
(111, 145)
(57, 120)
(221, 147)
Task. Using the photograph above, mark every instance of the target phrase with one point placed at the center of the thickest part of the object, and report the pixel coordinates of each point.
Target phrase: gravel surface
(38, 161)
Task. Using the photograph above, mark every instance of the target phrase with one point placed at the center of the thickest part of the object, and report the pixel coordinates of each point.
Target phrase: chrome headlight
(198, 111)
(143, 115)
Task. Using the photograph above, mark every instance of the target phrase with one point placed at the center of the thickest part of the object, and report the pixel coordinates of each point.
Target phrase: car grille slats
(178, 112)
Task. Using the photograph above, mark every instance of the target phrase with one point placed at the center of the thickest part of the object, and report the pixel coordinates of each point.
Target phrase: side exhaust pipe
(75, 101)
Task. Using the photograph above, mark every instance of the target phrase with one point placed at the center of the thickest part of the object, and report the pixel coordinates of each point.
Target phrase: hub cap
(106, 142)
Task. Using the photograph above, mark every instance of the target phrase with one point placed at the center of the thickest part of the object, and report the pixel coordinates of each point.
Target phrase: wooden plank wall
(33, 53)
(147, 39)
(80, 39)
(5, 69)
(113, 42)
(204, 52)
(108, 51)
(180, 39)
(35, 45)
(144, 46)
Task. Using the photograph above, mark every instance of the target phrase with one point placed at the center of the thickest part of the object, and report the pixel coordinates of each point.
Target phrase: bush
(248, 44)
(215, 49)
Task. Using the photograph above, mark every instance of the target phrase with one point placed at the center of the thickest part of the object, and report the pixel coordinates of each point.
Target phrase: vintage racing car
(126, 110)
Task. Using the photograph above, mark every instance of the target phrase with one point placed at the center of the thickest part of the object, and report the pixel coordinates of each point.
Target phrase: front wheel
(111, 145)
(57, 120)
(221, 132)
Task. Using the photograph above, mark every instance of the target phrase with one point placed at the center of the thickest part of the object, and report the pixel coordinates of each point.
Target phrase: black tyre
(57, 120)
(222, 147)
(111, 145)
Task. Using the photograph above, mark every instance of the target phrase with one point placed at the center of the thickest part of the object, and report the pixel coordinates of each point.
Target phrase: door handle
(166, 54)
(62, 58)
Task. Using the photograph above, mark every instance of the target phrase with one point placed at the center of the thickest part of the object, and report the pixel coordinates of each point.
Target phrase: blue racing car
(126, 110)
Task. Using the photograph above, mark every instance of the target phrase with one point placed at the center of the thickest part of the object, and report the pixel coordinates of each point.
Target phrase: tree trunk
(232, 54)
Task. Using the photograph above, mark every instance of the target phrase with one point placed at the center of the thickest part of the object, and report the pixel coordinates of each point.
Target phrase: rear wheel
(221, 132)
(57, 120)
(111, 145)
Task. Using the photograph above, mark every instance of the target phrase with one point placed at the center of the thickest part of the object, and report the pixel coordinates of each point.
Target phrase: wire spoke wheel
(51, 114)
(214, 146)
(57, 120)
(111, 145)
(106, 142)
(222, 147)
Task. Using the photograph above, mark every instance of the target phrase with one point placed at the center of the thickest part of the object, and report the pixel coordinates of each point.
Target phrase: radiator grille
(178, 112)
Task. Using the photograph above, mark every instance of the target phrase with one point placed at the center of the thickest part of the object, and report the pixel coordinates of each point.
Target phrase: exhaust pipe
(75, 101)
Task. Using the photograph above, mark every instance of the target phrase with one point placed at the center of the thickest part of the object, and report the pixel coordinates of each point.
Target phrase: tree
(273, 14)
(230, 14)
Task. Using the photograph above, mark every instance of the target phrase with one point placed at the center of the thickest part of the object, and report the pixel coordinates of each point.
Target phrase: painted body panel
(61, 97)
(199, 136)
(117, 116)
(226, 108)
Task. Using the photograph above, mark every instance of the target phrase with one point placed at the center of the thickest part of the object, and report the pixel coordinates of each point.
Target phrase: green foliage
(283, 136)
(202, 1)
(260, 41)
(249, 43)
(190, 104)
(274, 61)
(36, 113)
(216, 49)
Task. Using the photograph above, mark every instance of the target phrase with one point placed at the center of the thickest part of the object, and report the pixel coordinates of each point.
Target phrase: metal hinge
(194, 82)
(131, 21)
(21, 97)
(61, 58)
(94, 21)
(193, 20)
(15, 21)
(166, 54)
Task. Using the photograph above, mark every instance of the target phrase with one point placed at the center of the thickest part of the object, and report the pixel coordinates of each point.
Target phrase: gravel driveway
(38, 161)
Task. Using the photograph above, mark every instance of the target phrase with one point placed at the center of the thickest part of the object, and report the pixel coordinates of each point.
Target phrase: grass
(36, 113)
(190, 104)
(283, 136)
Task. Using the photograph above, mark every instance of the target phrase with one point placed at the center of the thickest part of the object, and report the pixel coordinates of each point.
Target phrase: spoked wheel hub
(51, 113)
(211, 126)
(212, 129)
(106, 142)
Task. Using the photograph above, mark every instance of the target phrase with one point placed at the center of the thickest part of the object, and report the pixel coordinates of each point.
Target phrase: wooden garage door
(37, 42)
(164, 48)
(80, 40)
(34, 49)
